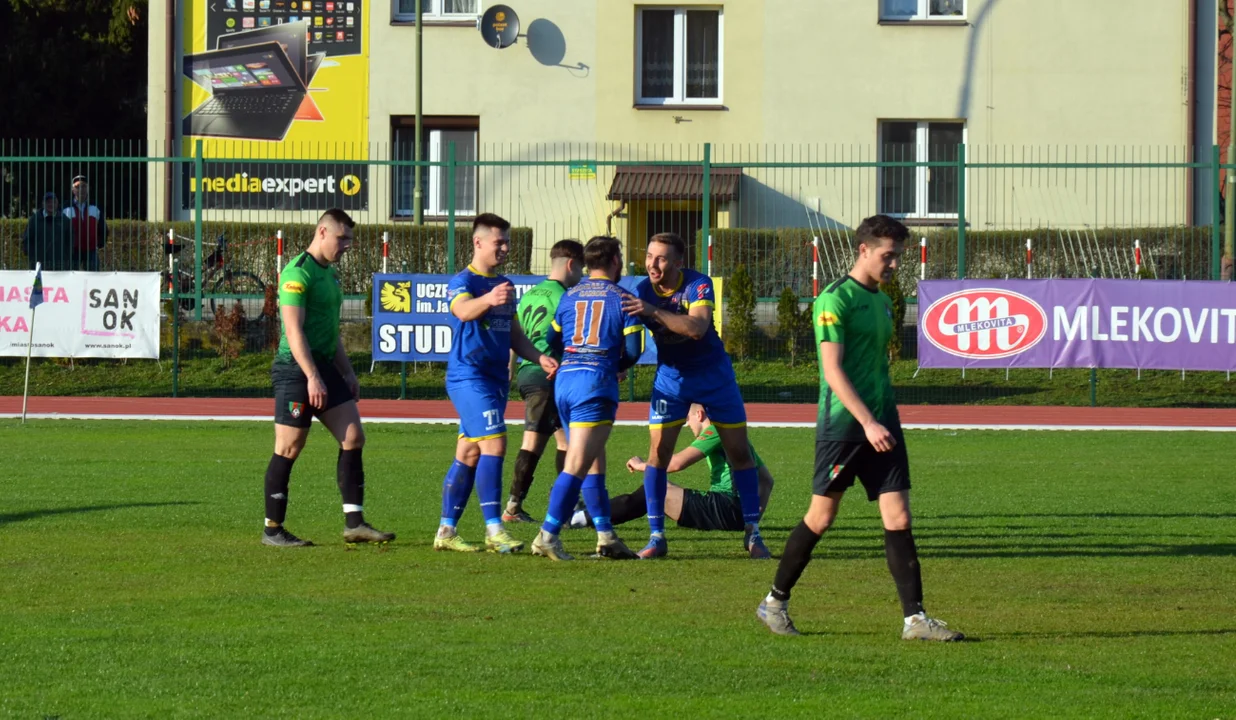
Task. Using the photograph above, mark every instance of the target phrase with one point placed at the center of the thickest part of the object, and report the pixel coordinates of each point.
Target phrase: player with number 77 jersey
(598, 341)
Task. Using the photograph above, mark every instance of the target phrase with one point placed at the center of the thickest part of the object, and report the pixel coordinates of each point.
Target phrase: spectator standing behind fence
(48, 238)
(89, 227)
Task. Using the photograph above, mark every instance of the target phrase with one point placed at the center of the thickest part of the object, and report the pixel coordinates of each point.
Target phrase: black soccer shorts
(540, 410)
(838, 463)
(292, 393)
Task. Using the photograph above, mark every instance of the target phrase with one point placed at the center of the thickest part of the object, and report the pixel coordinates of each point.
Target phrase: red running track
(915, 415)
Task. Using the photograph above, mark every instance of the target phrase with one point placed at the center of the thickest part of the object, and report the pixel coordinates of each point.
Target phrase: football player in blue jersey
(482, 307)
(676, 304)
(598, 341)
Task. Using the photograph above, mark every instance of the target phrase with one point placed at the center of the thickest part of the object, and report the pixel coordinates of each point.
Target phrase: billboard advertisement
(1085, 323)
(265, 80)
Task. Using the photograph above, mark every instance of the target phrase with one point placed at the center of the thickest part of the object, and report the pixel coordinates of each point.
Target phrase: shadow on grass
(1113, 634)
(9, 518)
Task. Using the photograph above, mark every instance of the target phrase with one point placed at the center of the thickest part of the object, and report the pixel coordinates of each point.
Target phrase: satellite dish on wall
(499, 26)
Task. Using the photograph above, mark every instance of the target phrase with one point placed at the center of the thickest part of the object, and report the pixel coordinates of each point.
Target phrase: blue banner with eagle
(412, 320)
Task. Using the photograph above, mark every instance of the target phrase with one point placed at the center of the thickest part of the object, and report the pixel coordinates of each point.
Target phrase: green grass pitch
(1094, 572)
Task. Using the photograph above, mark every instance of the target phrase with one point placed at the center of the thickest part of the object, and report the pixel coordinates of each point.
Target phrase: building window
(922, 9)
(436, 136)
(440, 10)
(678, 54)
(919, 192)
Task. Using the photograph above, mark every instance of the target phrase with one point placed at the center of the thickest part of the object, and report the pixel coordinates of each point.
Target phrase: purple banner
(1147, 324)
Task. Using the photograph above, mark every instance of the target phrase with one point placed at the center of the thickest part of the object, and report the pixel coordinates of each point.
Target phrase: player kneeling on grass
(312, 376)
(598, 341)
(717, 509)
(858, 433)
(482, 305)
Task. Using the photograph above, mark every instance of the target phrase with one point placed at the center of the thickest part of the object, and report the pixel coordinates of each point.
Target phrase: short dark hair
(339, 216)
(601, 251)
(880, 226)
(572, 249)
(674, 240)
(491, 221)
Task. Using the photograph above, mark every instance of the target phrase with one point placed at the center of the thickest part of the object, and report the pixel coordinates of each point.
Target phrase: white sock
(916, 616)
(579, 519)
(773, 600)
(492, 529)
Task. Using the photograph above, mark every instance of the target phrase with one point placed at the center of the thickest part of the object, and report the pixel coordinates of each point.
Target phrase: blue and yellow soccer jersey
(592, 327)
(598, 340)
(481, 348)
(679, 351)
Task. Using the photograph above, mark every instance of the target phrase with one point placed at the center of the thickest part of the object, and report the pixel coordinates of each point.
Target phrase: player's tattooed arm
(831, 354)
(694, 325)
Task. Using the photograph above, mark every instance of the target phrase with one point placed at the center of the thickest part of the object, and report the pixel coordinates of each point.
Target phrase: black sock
(794, 560)
(350, 474)
(626, 508)
(560, 461)
(278, 476)
(903, 564)
(525, 467)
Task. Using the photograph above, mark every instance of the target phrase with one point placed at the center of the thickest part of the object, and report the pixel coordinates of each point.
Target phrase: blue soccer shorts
(716, 389)
(481, 406)
(585, 398)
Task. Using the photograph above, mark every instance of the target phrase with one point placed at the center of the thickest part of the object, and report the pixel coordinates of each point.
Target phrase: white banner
(83, 314)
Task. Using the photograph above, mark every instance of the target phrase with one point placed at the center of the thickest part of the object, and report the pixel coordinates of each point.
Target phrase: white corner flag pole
(25, 394)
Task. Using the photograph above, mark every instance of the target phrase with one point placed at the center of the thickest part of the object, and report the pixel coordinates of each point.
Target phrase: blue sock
(596, 497)
(562, 499)
(655, 485)
(747, 483)
(455, 491)
(489, 487)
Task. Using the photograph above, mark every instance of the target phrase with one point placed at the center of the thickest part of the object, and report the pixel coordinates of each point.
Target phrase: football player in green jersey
(313, 377)
(858, 431)
(536, 312)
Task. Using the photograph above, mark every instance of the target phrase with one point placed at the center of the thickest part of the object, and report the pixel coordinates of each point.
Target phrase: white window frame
(437, 176)
(921, 14)
(922, 174)
(431, 11)
(680, 57)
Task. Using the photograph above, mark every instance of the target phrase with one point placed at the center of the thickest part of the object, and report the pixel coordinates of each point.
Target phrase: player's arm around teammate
(714, 386)
(312, 376)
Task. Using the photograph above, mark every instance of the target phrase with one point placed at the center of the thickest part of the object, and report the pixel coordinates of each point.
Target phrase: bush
(141, 246)
(793, 325)
(892, 289)
(740, 322)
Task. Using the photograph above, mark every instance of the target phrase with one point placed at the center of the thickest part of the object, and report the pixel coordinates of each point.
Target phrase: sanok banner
(1084, 323)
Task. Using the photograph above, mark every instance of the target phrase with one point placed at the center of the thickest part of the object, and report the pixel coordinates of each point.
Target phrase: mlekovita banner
(83, 314)
(1085, 323)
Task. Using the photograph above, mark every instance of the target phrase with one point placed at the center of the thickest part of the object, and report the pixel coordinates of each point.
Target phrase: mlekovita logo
(984, 323)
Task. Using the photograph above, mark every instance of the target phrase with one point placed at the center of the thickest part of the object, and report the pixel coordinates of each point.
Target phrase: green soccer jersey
(536, 312)
(720, 478)
(861, 320)
(315, 287)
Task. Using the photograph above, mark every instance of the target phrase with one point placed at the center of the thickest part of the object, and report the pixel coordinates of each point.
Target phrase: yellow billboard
(267, 80)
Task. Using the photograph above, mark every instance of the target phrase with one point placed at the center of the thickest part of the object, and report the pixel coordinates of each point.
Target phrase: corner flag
(36, 299)
(36, 293)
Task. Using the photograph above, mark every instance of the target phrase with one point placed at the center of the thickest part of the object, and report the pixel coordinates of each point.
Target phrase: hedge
(136, 245)
(780, 258)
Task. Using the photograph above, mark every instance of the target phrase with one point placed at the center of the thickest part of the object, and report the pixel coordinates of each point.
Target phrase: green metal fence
(780, 216)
